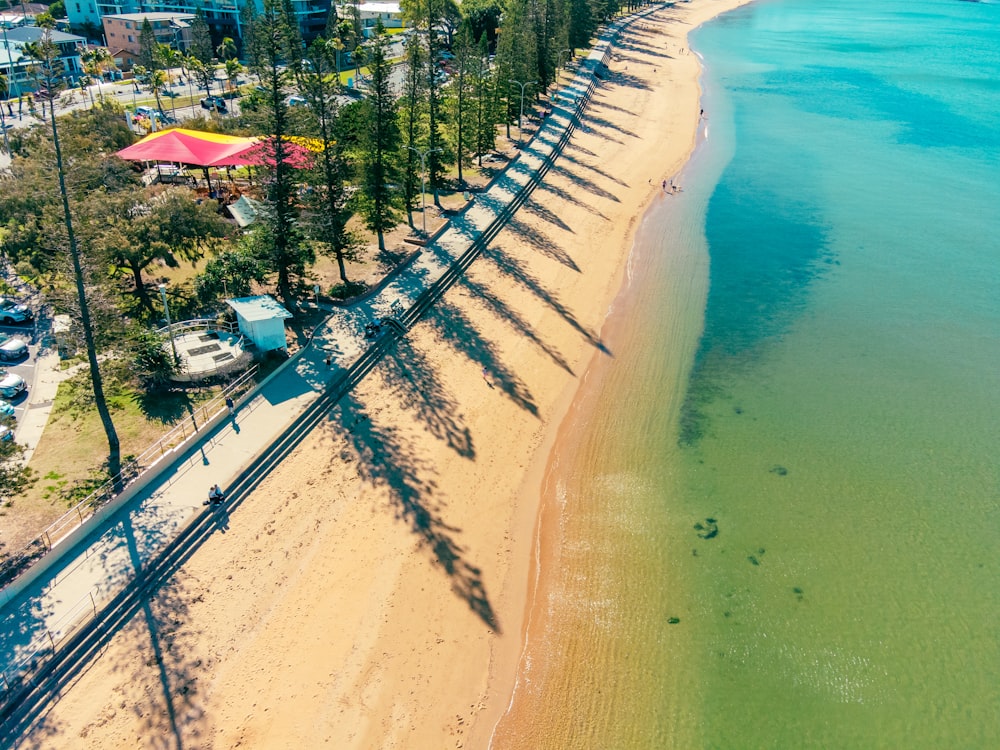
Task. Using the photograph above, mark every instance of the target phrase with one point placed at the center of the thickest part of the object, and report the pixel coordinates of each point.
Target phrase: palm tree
(337, 45)
(168, 58)
(105, 61)
(227, 49)
(138, 74)
(233, 70)
(157, 80)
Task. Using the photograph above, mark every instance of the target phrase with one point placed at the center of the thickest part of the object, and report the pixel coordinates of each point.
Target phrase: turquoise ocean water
(806, 551)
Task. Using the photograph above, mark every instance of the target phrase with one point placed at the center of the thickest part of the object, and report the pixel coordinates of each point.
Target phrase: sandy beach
(372, 593)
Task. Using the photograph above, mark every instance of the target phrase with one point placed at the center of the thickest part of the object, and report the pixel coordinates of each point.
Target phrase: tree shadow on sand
(540, 243)
(509, 266)
(414, 381)
(504, 312)
(166, 710)
(453, 327)
(385, 459)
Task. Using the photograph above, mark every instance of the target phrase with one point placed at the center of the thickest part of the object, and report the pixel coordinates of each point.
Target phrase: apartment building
(222, 16)
(17, 66)
(121, 32)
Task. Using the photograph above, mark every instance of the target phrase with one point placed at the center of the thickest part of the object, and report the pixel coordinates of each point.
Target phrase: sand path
(371, 593)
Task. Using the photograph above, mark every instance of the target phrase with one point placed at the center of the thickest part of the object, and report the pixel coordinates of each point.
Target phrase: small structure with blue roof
(262, 320)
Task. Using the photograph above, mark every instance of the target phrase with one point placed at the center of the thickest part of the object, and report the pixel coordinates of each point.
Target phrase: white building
(370, 13)
(262, 320)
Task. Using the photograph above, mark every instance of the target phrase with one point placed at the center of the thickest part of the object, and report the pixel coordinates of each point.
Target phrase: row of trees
(82, 225)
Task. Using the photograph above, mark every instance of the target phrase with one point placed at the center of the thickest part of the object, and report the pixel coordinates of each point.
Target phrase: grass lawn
(74, 445)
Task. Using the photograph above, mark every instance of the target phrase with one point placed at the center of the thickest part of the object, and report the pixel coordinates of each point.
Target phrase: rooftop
(25, 34)
(382, 7)
(138, 17)
(263, 307)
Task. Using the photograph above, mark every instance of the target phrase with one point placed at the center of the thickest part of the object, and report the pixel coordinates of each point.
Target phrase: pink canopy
(188, 147)
(211, 149)
(262, 152)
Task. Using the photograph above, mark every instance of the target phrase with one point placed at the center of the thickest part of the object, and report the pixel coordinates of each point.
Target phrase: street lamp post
(559, 56)
(3, 126)
(520, 116)
(170, 328)
(423, 180)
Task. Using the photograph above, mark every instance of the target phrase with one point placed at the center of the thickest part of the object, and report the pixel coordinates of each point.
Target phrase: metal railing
(199, 324)
(134, 467)
(41, 653)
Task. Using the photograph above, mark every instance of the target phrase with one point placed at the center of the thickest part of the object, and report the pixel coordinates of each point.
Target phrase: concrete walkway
(43, 614)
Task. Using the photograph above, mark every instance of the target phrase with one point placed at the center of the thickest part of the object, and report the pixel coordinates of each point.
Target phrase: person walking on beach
(486, 377)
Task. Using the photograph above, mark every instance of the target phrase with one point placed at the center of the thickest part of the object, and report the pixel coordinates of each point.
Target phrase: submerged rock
(707, 530)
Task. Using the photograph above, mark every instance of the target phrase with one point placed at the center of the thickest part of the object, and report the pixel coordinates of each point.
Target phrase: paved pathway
(91, 576)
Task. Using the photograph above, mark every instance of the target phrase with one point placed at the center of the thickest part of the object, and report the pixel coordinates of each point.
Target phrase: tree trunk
(114, 446)
(140, 287)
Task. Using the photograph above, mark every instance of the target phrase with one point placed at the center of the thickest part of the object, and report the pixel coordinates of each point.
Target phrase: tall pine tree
(380, 144)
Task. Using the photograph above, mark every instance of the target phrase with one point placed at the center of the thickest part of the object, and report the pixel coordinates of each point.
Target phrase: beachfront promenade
(61, 612)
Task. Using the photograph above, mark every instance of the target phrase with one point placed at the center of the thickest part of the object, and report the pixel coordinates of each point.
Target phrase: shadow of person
(221, 517)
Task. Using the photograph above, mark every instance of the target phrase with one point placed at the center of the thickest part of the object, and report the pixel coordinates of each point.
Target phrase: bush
(348, 290)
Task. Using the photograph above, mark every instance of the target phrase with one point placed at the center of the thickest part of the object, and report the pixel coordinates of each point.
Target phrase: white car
(6, 433)
(7, 409)
(12, 348)
(12, 385)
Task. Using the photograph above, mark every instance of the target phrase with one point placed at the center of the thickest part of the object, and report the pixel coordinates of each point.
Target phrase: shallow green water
(840, 422)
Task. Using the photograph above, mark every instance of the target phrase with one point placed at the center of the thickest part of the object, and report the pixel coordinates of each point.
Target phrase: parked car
(297, 101)
(6, 434)
(13, 312)
(153, 113)
(12, 385)
(214, 102)
(12, 348)
(7, 409)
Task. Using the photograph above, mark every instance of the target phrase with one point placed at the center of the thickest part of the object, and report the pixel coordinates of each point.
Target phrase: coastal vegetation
(85, 231)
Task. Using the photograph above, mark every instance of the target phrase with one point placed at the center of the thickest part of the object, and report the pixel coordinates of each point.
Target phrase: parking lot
(25, 367)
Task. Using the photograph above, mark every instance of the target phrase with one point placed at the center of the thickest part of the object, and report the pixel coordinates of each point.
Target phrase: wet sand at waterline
(373, 591)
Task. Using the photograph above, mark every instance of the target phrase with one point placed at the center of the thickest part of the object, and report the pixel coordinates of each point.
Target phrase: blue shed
(262, 320)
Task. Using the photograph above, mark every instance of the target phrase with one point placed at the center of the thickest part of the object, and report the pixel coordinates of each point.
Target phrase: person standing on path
(229, 404)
